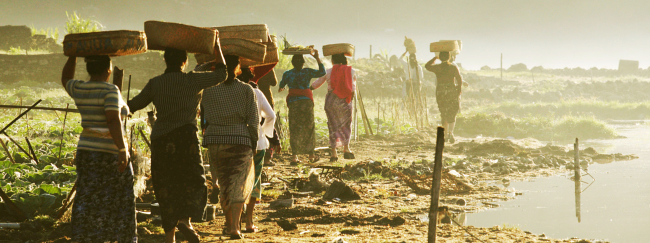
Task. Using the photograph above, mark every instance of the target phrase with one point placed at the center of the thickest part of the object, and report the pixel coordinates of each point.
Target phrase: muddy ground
(392, 177)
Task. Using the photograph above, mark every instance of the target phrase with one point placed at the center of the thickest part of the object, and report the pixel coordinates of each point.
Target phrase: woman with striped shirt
(104, 208)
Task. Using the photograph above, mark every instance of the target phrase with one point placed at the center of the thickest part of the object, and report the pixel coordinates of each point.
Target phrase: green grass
(538, 127)
(599, 109)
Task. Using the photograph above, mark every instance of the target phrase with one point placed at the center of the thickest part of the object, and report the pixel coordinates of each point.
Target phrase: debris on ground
(340, 190)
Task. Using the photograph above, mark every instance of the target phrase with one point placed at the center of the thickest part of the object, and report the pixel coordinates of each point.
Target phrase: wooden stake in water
(576, 166)
(435, 185)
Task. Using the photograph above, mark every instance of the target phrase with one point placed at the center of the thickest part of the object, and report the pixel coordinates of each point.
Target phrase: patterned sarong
(339, 120)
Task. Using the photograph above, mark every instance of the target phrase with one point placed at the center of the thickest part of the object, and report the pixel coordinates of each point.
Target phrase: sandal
(237, 237)
(334, 159)
(316, 159)
(189, 233)
(253, 230)
(269, 164)
(294, 163)
(348, 155)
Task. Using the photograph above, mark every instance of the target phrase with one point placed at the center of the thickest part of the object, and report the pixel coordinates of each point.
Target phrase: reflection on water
(616, 207)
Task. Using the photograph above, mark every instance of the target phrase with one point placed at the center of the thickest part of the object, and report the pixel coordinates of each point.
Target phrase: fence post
(577, 178)
(435, 185)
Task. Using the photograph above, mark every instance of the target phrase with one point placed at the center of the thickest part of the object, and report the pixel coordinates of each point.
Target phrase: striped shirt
(176, 96)
(231, 113)
(93, 99)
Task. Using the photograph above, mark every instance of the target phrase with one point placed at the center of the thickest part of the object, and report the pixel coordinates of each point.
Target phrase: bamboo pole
(435, 185)
(31, 150)
(364, 115)
(146, 141)
(11, 206)
(65, 206)
(19, 116)
(62, 133)
(18, 145)
(38, 108)
(576, 166)
(4, 146)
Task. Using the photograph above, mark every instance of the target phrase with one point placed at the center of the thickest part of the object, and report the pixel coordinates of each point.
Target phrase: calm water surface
(615, 208)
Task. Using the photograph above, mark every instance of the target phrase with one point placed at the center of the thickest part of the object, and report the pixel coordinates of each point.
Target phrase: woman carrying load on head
(104, 207)
(341, 85)
(300, 101)
(267, 122)
(231, 114)
(176, 164)
(448, 90)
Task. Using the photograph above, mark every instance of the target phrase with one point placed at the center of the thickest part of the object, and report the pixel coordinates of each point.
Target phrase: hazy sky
(551, 33)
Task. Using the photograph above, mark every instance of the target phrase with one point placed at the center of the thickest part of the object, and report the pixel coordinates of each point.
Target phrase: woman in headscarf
(300, 101)
(104, 207)
(341, 85)
(448, 89)
(232, 118)
(267, 121)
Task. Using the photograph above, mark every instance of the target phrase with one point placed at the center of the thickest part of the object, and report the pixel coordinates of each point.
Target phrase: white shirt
(319, 82)
(266, 112)
(414, 72)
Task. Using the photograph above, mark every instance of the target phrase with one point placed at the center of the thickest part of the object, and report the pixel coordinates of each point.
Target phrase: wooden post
(356, 118)
(63, 132)
(502, 67)
(67, 201)
(576, 166)
(369, 58)
(435, 185)
(4, 146)
(146, 141)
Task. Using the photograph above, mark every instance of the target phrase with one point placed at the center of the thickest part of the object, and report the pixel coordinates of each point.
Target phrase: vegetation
(49, 32)
(600, 109)
(77, 24)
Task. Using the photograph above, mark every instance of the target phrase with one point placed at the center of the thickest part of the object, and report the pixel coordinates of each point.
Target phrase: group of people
(237, 120)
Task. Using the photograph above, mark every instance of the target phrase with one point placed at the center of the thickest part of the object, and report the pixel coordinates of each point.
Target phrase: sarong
(302, 129)
(339, 120)
(104, 205)
(233, 166)
(448, 100)
(258, 161)
(178, 176)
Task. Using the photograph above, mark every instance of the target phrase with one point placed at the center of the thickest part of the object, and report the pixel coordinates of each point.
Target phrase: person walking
(448, 89)
(231, 136)
(341, 86)
(264, 84)
(104, 206)
(176, 164)
(302, 127)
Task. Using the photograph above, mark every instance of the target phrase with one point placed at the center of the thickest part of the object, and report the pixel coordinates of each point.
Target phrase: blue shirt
(301, 79)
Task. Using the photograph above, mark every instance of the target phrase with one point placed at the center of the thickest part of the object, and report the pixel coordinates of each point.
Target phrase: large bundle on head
(111, 43)
(452, 46)
(271, 56)
(162, 35)
(341, 48)
(410, 45)
(251, 32)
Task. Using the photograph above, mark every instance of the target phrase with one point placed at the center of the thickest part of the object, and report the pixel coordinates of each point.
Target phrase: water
(615, 208)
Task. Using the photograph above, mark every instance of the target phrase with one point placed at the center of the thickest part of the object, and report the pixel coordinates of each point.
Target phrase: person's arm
(267, 113)
(403, 55)
(112, 112)
(68, 70)
(459, 80)
(430, 63)
(321, 68)
(283, 82)
(203, 80)
(320, 81)
(253, 119)
(141, 100)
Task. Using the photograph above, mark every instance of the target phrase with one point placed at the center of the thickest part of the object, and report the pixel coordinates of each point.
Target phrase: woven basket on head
(249, 49)
(271, 56)
(341, 48)
(161, 35)
(111, 43)
(252, 32)
(449, 46)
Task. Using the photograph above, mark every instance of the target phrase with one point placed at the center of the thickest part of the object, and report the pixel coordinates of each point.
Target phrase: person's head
(444, 56)
(99, 67)
(233, 67)
(246, 75)
(413, 60)
(175, 58)
(298, 61)
(339, 59)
